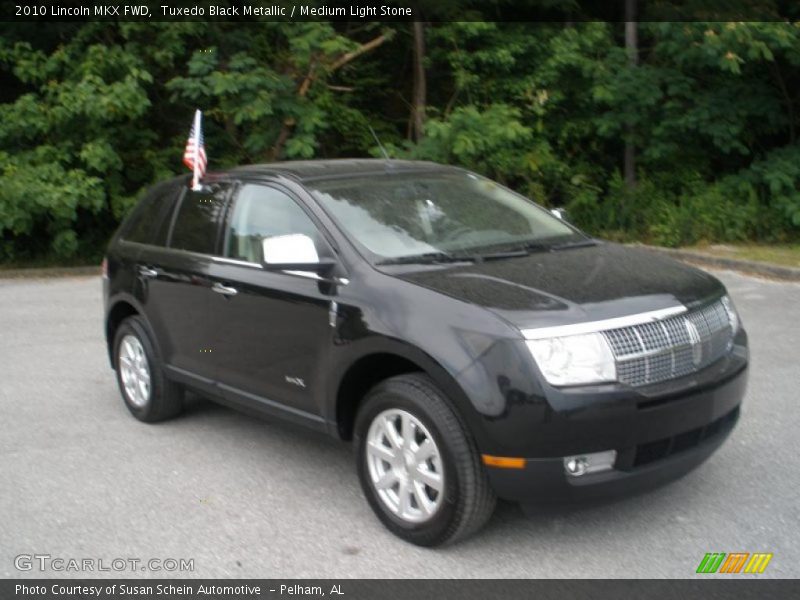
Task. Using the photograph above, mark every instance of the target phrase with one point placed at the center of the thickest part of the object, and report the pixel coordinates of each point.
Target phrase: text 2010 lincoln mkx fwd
(471, 344)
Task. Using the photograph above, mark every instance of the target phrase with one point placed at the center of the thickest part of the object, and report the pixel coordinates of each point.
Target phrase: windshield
(423, 214)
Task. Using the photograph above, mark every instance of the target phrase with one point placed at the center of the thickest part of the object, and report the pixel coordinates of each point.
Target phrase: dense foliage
(92, 113)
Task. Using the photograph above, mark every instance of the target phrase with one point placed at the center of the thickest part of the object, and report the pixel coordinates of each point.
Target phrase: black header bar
(396, 10)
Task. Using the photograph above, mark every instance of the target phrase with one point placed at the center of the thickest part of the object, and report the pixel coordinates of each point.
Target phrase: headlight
(733, 316)
(574, 359)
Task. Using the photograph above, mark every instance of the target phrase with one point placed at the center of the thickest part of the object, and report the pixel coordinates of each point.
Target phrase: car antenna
(372, 131)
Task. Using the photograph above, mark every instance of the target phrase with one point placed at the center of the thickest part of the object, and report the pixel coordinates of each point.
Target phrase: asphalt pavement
(244, 497)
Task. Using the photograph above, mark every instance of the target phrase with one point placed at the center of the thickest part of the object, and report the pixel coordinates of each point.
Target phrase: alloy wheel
(134, 371)
(405, 466)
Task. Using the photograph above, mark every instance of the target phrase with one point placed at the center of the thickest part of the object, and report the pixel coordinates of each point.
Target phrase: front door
(272, 327)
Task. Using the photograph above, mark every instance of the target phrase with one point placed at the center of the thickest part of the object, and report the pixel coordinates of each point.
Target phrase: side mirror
(559, 213)
(295, 252)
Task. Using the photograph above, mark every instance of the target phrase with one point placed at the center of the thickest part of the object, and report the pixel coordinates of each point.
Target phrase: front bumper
(544, 481)
(658, 436)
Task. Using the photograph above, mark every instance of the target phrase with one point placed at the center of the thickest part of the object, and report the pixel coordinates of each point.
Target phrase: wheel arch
(378, 363)
(120, 309)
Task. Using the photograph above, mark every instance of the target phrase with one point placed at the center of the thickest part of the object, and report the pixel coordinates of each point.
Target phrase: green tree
(92, 113)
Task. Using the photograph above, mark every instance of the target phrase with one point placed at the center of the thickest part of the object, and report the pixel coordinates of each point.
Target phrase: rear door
(139, 230)
(177, 286)
(273, 327)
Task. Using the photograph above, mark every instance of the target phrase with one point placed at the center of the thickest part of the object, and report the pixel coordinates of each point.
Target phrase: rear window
(197, 221)
(151, 215)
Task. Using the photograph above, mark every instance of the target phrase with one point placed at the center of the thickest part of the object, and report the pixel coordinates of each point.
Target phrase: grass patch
(787, 255)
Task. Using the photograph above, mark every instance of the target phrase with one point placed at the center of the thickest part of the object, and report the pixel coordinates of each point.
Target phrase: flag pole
(196, 187)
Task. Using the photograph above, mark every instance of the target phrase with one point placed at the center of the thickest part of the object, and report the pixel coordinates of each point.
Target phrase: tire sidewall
(131, 326)
(429, 532)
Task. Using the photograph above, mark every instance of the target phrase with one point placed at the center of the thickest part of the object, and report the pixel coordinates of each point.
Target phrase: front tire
(147, 393)
(418, 467)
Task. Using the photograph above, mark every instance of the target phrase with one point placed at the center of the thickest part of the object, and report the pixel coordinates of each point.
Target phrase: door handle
(148, 272)
(224, 289)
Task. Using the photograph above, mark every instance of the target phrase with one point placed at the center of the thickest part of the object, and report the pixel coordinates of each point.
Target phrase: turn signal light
(504, 462)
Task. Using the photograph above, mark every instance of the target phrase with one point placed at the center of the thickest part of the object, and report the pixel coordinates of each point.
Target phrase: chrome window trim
(603, 325)
(314, 276)
(252, 265)
(242, 263)
(169, 250)
(235, 261)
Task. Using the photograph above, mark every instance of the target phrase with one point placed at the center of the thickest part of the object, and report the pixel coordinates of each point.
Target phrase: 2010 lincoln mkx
(470, 344)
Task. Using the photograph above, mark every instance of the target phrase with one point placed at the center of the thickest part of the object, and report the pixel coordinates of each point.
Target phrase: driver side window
(261, 211)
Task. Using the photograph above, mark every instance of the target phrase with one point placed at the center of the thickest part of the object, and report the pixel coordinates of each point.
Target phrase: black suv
(470, 343)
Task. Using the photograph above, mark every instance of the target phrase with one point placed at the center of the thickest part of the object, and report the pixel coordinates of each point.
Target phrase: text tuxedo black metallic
(471, 344)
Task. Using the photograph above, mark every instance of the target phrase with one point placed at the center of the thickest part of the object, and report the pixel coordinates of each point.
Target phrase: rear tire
(147, 393)
(409, 442)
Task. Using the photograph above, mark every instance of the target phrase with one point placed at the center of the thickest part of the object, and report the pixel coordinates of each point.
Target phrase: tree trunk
(632, 47)
(419, 98)
(302, 91)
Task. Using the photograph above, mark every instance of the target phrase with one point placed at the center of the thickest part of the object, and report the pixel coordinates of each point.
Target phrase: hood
(574, 285)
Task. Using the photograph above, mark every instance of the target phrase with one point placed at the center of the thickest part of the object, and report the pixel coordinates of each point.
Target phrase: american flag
(194, 156)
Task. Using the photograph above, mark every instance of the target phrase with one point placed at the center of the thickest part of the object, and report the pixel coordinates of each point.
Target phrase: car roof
(309, 170)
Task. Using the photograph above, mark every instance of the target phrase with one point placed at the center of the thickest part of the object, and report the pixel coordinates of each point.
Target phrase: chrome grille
(673, 347)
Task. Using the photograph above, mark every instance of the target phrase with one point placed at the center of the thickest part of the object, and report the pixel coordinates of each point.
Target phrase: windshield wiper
(579, 244)
(501, 255)
(545, 247)
(520, 249)
(427, 258)
(515, 251)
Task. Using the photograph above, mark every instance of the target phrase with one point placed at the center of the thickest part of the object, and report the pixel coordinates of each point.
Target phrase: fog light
(576, 465)
(590, 463)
